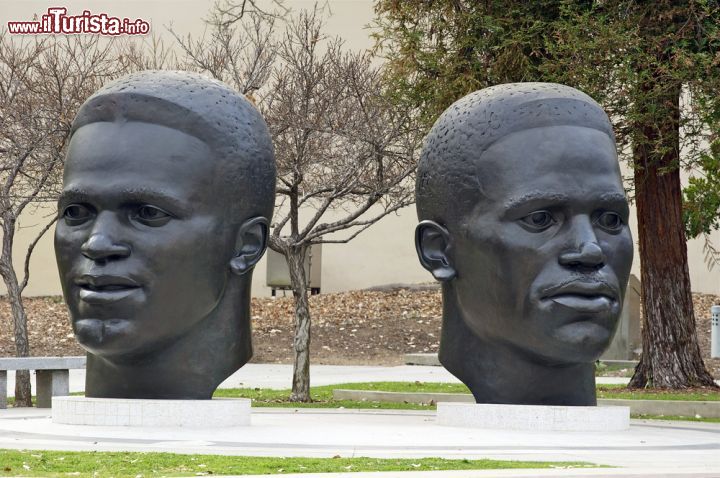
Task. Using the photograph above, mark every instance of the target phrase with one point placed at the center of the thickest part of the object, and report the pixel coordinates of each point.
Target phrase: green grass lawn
(127, 464)
(602, 368)
(619, 391)
(322, 396)
(676, 417)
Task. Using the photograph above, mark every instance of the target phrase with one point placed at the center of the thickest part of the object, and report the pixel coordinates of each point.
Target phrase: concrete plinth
(151, 413)
(3, 389)
(51, 383)
(533, 417)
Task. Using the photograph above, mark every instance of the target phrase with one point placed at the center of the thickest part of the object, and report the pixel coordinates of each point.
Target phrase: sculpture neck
(191, 367)
(498, 372)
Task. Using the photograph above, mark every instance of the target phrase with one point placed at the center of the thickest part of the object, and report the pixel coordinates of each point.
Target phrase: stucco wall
(383, 254)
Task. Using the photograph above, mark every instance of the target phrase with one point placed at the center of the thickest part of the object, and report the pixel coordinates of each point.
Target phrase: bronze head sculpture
(168, 190)
(524, 221)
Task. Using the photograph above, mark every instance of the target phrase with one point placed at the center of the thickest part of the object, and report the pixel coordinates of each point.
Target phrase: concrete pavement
(555, 473)
(648, 445)
(279, 376)
(649, 449)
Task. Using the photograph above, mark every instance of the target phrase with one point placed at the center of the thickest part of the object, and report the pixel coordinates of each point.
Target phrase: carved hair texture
(206, 109)
(450, 174)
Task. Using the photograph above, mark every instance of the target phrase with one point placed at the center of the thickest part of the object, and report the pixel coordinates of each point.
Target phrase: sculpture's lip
(584, 303)
(583, 296)
(587, 289)
(105, 288)
(105, 282)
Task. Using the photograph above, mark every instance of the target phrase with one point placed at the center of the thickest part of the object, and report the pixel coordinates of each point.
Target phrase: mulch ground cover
(357, 327)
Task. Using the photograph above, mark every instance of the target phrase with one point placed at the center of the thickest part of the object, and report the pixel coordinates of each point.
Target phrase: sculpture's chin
(105, 337)
(584, 341)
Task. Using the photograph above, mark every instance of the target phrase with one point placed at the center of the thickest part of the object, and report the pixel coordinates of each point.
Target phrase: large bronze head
(168, 190)
(525, 222)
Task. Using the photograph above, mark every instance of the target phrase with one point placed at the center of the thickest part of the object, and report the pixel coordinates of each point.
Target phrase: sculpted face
(542, 261)
(138, 238)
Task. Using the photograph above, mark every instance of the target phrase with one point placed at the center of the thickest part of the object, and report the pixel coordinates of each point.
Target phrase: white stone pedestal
(533, 417)
(219, 412)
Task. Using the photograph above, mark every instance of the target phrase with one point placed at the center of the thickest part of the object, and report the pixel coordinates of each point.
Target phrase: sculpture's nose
(583, 249)
(102, 244)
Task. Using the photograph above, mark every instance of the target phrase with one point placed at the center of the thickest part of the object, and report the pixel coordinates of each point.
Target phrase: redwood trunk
(23, 392)
(301, 343)
(671, 355)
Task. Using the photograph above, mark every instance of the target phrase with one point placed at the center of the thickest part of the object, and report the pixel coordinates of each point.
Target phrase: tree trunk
(671, 355)
(301, 370)
(23, 392)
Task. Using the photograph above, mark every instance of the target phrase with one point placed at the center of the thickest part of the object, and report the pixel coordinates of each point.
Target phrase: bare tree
(145, 53)
(345, 155)
(240, 53)
(42, 83)
(228, 12)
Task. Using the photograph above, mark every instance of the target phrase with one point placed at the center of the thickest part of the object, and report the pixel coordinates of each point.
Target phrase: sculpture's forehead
(147, 146)
(112, 158)
(557, 159)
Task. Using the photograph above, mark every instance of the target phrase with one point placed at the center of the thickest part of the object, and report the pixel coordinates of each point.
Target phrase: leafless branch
(228, 12)
(43, 81)
(343, 241)
(348, 223)
(712, 254)
(240, 54)
(31, 247)
(341, 148)
(345, 156)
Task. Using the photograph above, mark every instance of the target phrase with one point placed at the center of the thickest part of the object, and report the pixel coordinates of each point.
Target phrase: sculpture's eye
(76, 214)
(609, 221)
(151, 215)
(538, 221)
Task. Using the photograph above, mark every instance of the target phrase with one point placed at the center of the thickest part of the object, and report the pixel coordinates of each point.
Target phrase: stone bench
(52, 376)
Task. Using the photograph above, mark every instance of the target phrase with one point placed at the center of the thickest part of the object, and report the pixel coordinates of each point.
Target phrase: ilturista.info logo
(57, 22)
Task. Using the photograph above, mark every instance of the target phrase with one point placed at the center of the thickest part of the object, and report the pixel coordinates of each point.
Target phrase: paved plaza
(279, 376)
(650, 448)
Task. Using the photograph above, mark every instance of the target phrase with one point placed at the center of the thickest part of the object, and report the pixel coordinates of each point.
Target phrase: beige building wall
(383, 254)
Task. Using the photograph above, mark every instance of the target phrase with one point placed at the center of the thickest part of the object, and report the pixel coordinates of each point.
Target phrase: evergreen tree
(653, 65)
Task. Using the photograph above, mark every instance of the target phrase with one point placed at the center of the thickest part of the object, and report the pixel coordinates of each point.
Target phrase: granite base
(154, 413)
(533, 417)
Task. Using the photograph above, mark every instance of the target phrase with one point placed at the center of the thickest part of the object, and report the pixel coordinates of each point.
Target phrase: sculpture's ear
(250, 245)
(432, 242)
